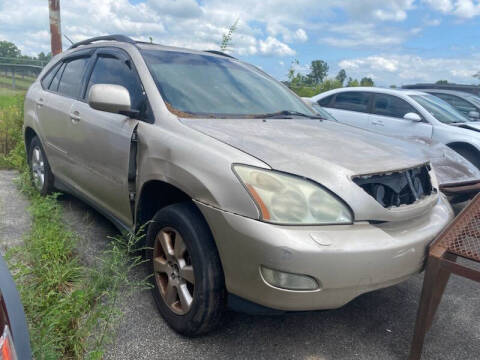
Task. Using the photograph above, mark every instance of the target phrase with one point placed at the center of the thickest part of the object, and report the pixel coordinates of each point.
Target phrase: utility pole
(55, 26)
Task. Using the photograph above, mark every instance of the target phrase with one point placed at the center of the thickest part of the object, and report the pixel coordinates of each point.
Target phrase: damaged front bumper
(344, 260)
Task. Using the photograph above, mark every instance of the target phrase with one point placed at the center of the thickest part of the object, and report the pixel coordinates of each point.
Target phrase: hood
(472, 125)
(297, 145)
(327, 152)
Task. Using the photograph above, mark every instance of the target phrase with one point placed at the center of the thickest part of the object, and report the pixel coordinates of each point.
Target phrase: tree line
(317, 80)
(11, 54)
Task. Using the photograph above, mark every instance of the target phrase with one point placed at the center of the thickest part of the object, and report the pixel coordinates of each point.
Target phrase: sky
(392, 41)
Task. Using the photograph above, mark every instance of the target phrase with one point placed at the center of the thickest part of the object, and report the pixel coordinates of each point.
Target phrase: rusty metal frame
(461, 238)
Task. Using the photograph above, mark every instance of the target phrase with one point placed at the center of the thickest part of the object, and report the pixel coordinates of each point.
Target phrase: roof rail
(216, 52)
(119, 38)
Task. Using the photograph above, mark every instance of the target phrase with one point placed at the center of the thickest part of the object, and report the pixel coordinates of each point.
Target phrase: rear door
(387, 118)
(54, 111)
(349, 107)
(103, 140)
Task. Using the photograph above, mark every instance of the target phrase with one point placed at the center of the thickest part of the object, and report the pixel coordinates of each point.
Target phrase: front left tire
(188, 281)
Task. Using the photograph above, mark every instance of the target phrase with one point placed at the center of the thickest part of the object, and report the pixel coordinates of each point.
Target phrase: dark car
(466, 103)
(14, 338)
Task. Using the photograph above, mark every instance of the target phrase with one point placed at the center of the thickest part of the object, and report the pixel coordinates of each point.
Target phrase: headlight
(289, 199)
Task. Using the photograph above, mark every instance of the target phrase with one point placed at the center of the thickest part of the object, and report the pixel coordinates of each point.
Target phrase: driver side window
(111, 70)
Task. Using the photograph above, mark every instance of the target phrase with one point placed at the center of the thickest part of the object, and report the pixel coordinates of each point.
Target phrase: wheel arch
(29, 134)
(155, 195)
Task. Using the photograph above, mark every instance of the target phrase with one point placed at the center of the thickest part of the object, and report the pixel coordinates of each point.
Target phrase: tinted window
(440, 110)
(47, 79)
(354, 101)
(110, 70)
(71, 80)
(325, 101)
(54, 84)
(388, 105)
(458, 103)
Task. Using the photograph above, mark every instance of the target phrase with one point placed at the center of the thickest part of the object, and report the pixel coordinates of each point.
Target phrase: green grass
(20, 83)
(71, 308)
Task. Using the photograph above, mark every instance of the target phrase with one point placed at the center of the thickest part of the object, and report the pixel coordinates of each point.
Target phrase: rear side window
(352, 100)
(326, 101)
(393, 106)
(47, 79)
(56, 80)
(110, 70)
(71, 81)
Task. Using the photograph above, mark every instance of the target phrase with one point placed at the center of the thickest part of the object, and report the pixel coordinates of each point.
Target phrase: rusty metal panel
(55, 26)
(462, 237)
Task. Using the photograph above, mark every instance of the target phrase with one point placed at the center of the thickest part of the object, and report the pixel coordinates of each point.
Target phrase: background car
(406, 114)
(450, 167)
(14, 338)
(465, 103)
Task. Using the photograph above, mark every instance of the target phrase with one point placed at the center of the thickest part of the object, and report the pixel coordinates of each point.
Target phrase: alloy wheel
(38, 167)
(173, 271)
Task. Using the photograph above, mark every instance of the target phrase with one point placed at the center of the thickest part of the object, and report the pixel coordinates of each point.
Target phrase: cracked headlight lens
(289, 199)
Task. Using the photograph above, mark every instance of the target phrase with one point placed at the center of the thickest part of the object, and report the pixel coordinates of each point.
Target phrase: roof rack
(119, 38)
(216, 52)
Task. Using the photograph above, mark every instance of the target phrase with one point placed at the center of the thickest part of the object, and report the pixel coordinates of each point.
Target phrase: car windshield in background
(440, 110)
(475, 100)
(197, 85)
(322, 112)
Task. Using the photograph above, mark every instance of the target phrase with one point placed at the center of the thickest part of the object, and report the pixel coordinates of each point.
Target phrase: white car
(405, 114)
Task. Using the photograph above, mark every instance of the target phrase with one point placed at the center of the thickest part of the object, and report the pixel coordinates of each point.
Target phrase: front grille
(397, 188)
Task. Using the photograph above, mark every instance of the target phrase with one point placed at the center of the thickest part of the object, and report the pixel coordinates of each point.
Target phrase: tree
(318, 71)
(352, 82)
(227, 38)
(366, 81)
(8, 49)
(441, 82)
(393, 86)
(341, 76)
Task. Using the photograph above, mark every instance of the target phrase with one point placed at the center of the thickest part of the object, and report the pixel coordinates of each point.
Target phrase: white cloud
(272, 46)
(465, 9)
(403, 69)
(361, 35)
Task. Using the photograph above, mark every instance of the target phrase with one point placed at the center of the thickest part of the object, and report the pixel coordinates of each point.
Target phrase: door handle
(39, 102)
(377, 122)
(75, 117)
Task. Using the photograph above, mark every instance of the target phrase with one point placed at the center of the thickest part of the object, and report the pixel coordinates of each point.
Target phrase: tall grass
(71, 308)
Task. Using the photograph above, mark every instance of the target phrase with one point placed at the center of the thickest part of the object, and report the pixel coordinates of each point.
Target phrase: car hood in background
(472, 125)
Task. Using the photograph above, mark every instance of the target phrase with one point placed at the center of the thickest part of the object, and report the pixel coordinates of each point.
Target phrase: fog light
(288, 281)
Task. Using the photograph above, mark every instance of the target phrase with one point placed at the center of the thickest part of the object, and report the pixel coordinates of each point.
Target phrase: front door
(387, 119)
(103, 140)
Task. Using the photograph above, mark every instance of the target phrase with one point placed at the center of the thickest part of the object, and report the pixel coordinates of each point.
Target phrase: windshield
(196, 85)
(439, 109)
(319, 110)
(475, 100)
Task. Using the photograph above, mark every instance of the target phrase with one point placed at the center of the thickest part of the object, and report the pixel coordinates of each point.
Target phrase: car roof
(452, 92)
(398, 92)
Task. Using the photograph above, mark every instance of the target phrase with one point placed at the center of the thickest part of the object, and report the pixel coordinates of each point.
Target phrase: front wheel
(188, 281)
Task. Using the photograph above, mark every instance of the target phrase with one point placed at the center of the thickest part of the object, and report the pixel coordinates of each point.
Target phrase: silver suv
(248, 195)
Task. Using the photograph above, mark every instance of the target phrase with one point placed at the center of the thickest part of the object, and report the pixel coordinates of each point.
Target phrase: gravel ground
(377, 325)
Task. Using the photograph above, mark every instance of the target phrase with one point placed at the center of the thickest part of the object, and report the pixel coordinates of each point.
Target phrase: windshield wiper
(283, 113)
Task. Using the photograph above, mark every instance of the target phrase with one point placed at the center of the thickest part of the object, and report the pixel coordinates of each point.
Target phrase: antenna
(71, 42)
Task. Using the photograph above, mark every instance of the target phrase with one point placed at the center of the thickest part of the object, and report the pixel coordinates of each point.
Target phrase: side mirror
(110, 98)
(474, 115)
(412, 117)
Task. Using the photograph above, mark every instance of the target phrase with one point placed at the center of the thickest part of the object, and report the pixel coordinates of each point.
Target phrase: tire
(202, 312)
(41, 174)
(471, 155)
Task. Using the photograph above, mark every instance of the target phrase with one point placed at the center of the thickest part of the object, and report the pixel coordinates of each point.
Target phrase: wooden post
(55, 26)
